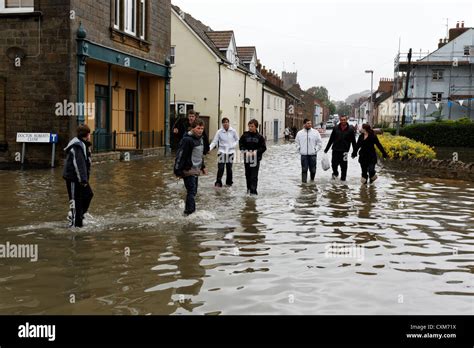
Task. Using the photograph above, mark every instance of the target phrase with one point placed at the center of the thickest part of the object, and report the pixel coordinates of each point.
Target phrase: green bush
(392, 131)
(458, 133)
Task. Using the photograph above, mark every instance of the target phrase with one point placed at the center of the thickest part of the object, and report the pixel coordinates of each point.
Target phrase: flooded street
(239, 255)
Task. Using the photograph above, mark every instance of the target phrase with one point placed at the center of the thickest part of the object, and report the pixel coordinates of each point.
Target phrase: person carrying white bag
(325, 163)
(309, 143)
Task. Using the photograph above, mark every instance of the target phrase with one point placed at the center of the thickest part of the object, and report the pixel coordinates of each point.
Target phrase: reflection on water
(239, 254)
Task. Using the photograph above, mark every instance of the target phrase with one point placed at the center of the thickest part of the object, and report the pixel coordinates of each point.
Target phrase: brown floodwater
(412, 243)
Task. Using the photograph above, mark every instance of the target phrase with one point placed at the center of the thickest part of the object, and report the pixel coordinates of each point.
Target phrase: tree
(320, 92)
(342, 108)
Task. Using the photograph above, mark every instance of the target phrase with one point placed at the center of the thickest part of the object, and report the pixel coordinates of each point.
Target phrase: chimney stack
(459, 30)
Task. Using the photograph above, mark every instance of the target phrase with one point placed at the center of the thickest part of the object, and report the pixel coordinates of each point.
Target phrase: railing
(104, 142)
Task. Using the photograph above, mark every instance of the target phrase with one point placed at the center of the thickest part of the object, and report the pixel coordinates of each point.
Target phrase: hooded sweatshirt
(308, 142)
(253, 142)
(189, 156)
(77, 165)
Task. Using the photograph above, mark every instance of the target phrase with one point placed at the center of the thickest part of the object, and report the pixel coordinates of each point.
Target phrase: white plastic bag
(325, 164)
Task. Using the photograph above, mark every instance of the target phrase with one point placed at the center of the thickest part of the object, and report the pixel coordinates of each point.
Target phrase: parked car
(329, 125)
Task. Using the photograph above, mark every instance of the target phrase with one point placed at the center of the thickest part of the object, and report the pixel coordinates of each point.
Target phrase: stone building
(99, 62)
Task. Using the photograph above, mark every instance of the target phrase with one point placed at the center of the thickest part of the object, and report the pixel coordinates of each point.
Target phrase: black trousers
(368, 169)
(225, 163)
(191, 183)
(80, 198)
(340, 158)
(251, 174)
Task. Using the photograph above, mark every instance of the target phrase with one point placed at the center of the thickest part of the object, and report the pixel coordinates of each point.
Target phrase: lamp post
(371, 108)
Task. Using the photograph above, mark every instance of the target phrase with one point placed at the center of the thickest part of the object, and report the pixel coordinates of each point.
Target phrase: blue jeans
(191, 184)
(308, 162)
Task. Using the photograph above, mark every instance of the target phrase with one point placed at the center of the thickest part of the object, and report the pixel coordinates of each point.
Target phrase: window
(173, 55)
(129, 110)
(466, 50)
(142, 20)
(232, 58)
(436, 96)
(14, 6)
(253, 67)
(130, 15)
(181, 109)
(118, 8)
(437, 75)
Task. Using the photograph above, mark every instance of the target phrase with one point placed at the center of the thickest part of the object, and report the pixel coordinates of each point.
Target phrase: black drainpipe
(245, 97)
(219, 97)
(263, 104)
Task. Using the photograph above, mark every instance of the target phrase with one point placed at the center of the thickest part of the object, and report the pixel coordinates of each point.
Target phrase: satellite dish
(15, 52)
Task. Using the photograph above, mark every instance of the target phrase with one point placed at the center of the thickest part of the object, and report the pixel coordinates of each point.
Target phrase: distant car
(352, 122)
(329, 125)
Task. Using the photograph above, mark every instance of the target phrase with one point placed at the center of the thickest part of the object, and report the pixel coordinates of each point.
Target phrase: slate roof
(221, 39)
(246, 53)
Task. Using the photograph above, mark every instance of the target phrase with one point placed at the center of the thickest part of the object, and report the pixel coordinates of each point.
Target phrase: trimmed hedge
(458, 133)
(405, 148)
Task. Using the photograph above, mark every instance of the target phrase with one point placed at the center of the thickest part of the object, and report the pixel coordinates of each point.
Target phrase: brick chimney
(442, 42)
(385, 85)
(455, 32)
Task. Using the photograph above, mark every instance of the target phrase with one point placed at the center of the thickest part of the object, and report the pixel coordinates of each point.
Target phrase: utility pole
(405, 99)
(371, 106)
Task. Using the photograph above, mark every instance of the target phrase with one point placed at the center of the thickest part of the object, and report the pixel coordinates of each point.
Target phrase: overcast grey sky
(332, 42)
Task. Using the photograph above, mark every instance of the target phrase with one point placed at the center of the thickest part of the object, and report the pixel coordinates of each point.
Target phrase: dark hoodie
(77, 165)
(184, 127)
(253, 142)
(189, 156)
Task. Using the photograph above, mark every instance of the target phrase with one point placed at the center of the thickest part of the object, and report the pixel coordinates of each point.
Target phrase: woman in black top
(367, 155)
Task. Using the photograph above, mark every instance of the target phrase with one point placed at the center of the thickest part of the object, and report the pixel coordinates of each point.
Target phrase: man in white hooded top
(226, 139)
(309, 143)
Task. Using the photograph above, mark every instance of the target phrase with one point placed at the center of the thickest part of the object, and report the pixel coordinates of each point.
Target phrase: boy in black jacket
(189, 163)
(77, 173)
(253, 145)
(183, 126)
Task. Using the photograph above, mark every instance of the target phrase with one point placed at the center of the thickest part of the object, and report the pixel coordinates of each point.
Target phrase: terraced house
(212, 75)
(99, 62)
